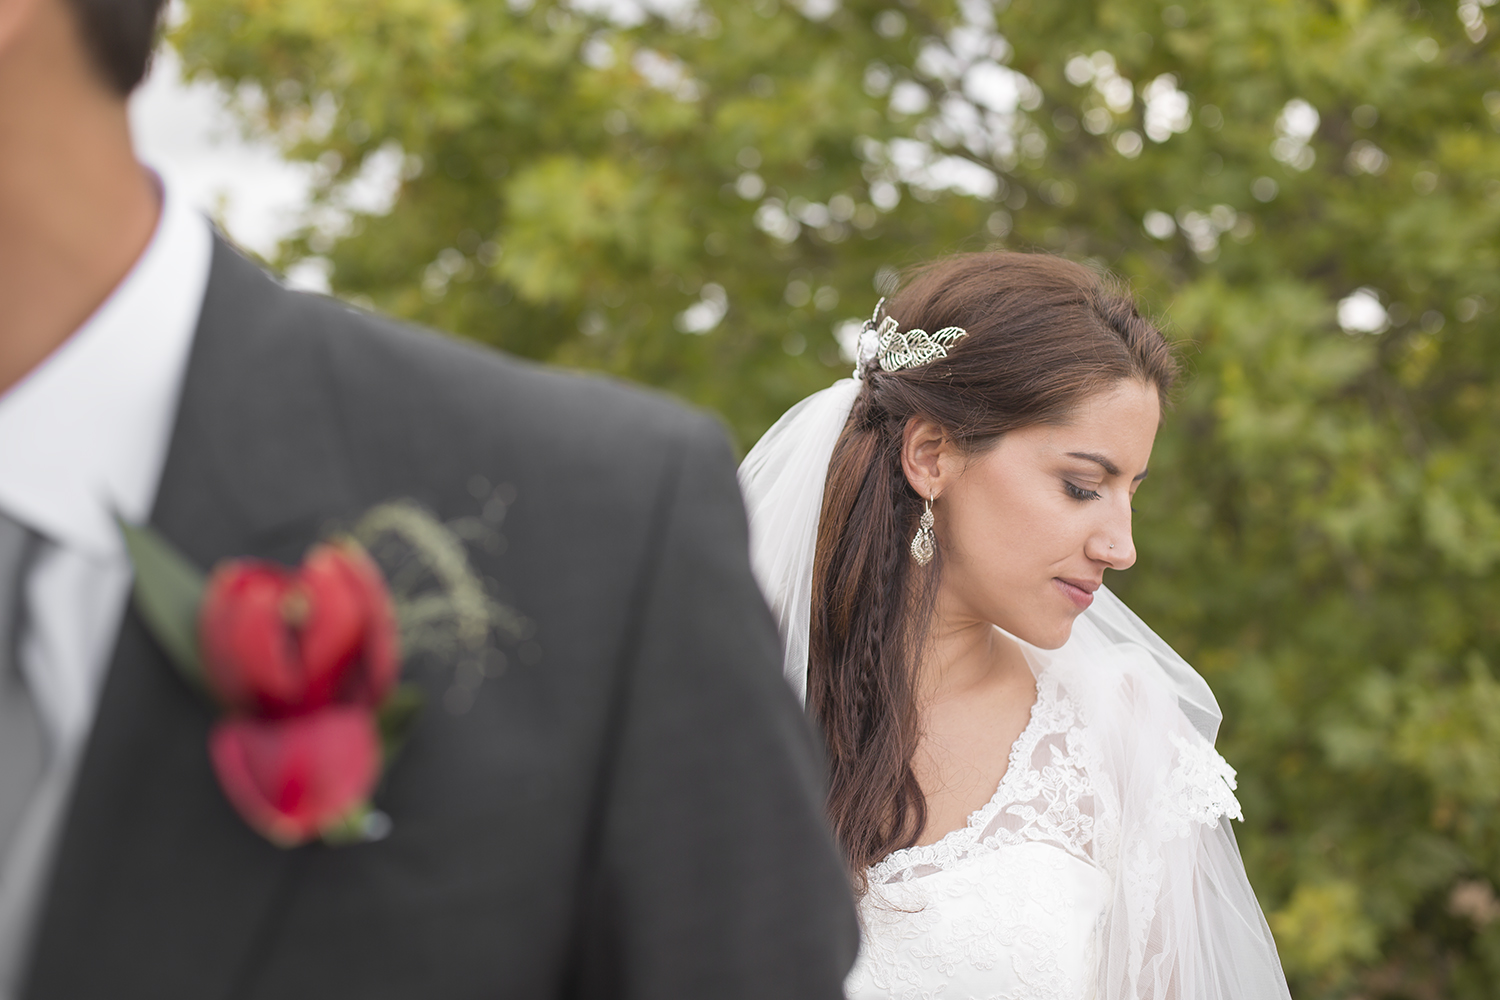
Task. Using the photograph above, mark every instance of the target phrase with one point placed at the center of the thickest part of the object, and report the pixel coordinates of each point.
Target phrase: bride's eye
(1079, 493)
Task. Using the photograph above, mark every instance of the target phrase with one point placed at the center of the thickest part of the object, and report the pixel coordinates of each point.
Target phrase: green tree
(1308, 192)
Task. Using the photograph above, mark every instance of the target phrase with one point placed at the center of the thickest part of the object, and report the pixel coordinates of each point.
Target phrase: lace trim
(1048, 794)
(1023, 784)
(1199, 790)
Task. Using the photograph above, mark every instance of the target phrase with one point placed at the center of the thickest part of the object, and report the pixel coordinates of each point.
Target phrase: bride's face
(1028, 527)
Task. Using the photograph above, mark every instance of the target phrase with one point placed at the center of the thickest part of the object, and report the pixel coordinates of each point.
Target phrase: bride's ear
(927, 453)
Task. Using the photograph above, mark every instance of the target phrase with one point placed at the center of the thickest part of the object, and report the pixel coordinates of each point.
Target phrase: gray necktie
(23, 742)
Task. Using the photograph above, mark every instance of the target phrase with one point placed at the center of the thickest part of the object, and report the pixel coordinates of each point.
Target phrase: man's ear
(16, 16)
(927, 456)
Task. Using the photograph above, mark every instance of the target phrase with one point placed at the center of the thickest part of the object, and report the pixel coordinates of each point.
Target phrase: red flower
(292, 779)
(277, 641)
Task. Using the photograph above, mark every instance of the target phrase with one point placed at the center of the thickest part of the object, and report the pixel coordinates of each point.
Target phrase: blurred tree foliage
(1307, 190)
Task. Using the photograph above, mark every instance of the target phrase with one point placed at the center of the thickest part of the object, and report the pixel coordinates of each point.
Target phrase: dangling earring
(923, 545)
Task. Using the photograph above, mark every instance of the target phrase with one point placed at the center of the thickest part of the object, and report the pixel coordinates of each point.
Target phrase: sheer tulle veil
(782, 480)
(1184, 921)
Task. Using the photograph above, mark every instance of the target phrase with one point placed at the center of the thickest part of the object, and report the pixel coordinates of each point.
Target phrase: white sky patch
(937, 61)
(909, 156)
(625, 13)
(971, 42)
(847, 334)
(1159, 225)
(965, 121)
(1079, 71)
(1295, 127)
(1166, 109)
(630, 13)
(186, 132)
(1117, 92)
(978, 13)
(1115, 95)
(994, 87)
(373, 190)
(1298, 120)
(1203, 229)
(705, 314)
(773, 219)
(918, 164)
(817, 10)
(1366, 158)
(964, 176)
(1361, 312)
(909, 98)
(980, 101)
(667, 74)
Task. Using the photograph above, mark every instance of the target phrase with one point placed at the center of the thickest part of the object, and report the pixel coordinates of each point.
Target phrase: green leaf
(351, 828)
(395, 718)
(168, 594)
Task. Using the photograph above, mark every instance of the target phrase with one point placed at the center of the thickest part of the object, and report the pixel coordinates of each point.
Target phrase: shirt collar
(84, 435)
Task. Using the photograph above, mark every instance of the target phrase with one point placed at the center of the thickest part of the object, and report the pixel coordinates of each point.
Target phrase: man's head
(76, 207)
(119, 36)
(108, 40)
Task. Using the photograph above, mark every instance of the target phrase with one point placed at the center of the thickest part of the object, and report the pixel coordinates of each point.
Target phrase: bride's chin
(1049, 637)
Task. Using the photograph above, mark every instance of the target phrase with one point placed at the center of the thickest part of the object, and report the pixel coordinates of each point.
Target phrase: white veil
(1184, 921)
(782, 480)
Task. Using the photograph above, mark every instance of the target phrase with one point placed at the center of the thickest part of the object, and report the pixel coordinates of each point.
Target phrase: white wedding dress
(1008, 905)
(1014, 904)
(1104, 867)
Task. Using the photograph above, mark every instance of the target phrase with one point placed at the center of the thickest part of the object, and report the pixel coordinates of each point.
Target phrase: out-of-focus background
(708, 195)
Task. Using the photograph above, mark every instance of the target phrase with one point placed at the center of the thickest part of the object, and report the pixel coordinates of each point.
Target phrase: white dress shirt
(83, 437)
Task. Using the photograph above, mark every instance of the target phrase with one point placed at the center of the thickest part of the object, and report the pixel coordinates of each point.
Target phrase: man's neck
(76, 209)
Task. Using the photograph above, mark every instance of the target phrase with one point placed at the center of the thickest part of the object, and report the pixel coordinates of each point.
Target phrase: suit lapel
(158, 888)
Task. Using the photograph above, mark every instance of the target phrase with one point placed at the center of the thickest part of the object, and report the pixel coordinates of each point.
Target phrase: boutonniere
(304, 664)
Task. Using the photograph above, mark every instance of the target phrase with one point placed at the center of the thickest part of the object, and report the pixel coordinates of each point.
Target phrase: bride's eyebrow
(1103, 463)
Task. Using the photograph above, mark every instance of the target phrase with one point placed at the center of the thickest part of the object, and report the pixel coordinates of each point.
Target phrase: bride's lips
(1080, 592)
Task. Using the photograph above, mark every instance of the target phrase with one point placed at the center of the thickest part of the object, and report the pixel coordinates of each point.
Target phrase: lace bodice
(1013, 904)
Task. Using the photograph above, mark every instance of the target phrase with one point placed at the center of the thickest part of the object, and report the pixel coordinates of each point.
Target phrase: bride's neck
(962, 656)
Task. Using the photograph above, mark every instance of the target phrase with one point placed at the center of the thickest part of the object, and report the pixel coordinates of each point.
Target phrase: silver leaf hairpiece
(882, 345)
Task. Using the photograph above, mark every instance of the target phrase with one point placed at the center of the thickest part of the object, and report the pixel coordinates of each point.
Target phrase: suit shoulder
(475, 394)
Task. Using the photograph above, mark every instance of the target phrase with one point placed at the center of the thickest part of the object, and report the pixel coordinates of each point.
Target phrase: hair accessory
(882, 345)
(923, 545)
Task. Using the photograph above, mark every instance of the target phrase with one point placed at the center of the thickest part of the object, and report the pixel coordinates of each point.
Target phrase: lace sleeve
(1199, 789)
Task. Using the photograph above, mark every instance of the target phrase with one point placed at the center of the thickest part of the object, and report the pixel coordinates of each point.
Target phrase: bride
(1023, 777)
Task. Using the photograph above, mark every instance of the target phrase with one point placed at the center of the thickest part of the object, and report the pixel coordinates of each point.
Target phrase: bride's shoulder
(1113, 682)
(1143, 739)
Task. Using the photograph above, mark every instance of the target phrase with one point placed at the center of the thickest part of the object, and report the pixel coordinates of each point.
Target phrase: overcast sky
(184, 132)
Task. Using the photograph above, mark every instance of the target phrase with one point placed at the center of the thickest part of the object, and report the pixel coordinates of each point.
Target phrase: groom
(632, 808)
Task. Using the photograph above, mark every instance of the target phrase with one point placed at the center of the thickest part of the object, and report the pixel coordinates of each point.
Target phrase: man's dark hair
(119, 35)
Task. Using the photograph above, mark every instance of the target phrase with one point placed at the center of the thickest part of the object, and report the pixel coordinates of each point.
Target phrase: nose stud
(1111, 546)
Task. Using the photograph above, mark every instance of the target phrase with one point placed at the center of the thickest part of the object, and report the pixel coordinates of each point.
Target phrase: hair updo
(1044, 334)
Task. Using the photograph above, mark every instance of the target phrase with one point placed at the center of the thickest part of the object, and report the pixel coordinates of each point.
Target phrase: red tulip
(277, 641)
(292, 779)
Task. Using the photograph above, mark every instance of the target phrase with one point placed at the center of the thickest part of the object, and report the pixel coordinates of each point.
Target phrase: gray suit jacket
(634, 809)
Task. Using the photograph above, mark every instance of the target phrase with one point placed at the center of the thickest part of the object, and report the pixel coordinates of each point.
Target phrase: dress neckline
(945, 846)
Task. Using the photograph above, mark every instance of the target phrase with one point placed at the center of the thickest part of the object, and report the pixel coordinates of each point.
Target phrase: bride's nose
(1112, 543)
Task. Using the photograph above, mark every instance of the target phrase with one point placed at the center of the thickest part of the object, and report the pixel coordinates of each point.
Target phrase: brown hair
(1044, 333)
(119, 36)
